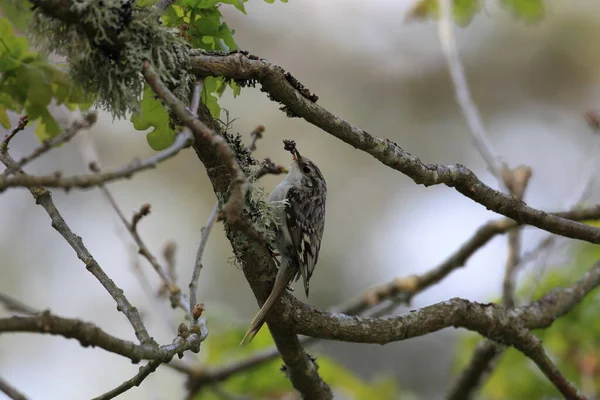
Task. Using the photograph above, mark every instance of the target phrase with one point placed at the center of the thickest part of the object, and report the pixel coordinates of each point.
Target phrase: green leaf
(39, 87)
(4, 120)
(18, 13)
(144, 3)
(211, 85)
(531, 10)
(239, 4)
(14, 46)
(152, 114)
(227, 35)
(237, 89)
(47, 127)
(463, 11)
(160, 139)
(8, 63)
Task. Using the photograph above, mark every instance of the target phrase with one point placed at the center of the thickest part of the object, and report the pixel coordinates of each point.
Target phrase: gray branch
(43, 197)
(11, 391)
(275, 81)
(182, 140)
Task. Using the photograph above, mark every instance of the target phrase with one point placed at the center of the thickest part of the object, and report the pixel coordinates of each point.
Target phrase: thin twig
(15, 305)
(195, 103)
(198, 265)
(128, 384)
(495, 163)
(517, 182)
(43, 198)
(256, 134)
(89, 334)
(590, 171)
(138, 215)
(269, 167)
(11, 391)
(169, 256)
(90, 155)
(477, 368)
(23, 121)
(85, 122)
(182, 140)
(186, 339)
(177, 296)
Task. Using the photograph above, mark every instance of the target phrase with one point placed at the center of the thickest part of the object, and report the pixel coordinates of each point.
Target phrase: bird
(298, 230)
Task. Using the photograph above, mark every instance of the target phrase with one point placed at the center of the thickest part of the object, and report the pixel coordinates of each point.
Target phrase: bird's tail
(284, 276)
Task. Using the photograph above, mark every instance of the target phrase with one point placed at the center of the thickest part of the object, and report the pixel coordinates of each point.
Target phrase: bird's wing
(305, 222)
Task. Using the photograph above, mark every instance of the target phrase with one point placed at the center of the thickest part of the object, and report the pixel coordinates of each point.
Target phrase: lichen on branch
(111, 39)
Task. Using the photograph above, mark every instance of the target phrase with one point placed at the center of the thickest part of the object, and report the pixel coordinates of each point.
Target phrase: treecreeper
(298, 231)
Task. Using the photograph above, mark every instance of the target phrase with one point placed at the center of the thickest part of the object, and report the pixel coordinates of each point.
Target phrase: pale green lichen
(113, 77)
(236, 262)
(262, 213)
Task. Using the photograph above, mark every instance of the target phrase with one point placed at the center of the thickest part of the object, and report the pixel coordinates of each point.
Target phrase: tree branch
(177, 297)
(301, 368)
(409, 286)
(496, 165)
(198, 264)
(517, 184)
(23, 121)
(15, 305)
(401, 289)
(205, 136)
(490, 320)
(502, 325)
(479, 365)
(86, 122)
(128, 384)
(276, 82)
(487, 352)
(11, 391)
(89, 334)
(44, 199)
(182, 140)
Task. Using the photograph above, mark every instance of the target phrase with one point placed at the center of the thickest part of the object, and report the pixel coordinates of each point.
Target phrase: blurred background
(531, 81)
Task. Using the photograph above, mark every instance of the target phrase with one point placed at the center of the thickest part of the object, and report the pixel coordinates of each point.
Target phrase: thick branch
(400, 289)
(274, 80)
(301, 369)
(205, 136)
(490, 320)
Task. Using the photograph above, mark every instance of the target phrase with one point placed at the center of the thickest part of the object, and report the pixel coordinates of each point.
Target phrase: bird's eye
(306, 170)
